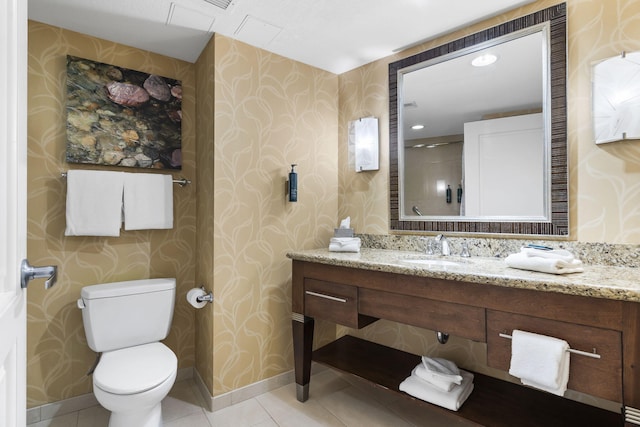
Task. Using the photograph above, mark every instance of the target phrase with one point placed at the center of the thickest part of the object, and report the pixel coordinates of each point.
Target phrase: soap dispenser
(293, 184)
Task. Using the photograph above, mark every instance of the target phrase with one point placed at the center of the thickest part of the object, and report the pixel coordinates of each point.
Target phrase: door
(13, 160)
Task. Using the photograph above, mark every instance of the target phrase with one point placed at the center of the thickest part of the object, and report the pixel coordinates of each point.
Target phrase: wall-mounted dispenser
(293, 184)
(363, 142)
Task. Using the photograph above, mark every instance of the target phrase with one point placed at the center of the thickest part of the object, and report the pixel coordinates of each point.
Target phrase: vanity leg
(302, 347)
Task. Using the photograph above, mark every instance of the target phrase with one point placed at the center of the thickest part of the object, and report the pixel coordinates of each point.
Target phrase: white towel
(444, 384)
(544, 265)
(148, 201)
(540, 361)
(94, 203)
(344, 244)
(560, 254)
(452, 400)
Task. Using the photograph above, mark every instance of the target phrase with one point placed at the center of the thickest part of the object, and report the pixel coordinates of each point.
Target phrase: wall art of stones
(122, 117)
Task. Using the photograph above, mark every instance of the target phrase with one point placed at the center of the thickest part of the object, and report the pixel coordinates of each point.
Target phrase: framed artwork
(616, 98)
(122, 117)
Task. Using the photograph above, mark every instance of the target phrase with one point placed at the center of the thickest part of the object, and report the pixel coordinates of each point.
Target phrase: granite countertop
(599, 281)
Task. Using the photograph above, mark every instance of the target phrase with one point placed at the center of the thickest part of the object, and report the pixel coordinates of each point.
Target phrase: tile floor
(335, 400)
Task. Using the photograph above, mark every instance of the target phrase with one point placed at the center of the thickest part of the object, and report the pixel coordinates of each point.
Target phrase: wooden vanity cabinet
(481, 312)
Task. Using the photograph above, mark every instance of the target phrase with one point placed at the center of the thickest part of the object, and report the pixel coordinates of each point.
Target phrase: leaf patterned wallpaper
(269, 112)
(255, 113)
(58, 356)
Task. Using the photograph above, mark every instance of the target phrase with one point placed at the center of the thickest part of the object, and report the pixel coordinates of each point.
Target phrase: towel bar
(181, 182)
(593, 355)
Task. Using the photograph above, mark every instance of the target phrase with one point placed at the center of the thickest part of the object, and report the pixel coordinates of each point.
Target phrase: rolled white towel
(344, 244)
(443, 369)
(436, 381)
(544, 265)
(452, 400)
(560, 254)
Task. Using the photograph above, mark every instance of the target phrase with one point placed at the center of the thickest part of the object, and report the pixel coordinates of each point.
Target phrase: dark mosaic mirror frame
(559, 221)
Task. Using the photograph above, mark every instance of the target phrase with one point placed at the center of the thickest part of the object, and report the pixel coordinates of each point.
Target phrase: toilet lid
(135, 369)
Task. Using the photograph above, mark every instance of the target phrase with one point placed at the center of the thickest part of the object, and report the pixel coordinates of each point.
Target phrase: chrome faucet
(444, 245)
(428, 245)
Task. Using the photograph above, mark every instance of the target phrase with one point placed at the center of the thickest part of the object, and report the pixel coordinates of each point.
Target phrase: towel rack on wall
(580, 352)
(181, 182)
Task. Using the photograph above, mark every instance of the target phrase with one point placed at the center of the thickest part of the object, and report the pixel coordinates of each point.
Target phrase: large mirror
(483, 149)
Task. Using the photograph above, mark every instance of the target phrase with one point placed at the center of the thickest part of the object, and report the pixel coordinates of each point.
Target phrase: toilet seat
(136, 369)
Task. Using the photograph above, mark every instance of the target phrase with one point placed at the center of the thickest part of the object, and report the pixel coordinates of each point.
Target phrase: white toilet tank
(124, 314)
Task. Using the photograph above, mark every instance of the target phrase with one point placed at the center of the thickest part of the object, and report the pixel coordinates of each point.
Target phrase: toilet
(125, 322)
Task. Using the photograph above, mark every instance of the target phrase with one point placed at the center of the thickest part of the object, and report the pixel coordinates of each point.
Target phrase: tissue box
(343, 232)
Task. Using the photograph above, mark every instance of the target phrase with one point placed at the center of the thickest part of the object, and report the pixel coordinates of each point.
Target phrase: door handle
(29, 272)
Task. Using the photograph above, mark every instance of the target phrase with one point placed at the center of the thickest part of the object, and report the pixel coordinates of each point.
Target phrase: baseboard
(224, 400)
(78, 403)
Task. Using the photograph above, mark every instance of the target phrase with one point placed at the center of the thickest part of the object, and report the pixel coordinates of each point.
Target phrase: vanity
(597, 311)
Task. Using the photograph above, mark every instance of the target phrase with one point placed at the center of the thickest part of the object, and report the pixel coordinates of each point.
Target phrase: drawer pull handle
(593, 355)
(315, 294)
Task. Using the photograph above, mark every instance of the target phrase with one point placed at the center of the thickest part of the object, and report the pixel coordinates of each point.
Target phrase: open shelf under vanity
(493, 402)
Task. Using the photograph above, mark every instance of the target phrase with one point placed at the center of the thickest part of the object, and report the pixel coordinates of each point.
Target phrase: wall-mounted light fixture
(616, 98)
(363, 136)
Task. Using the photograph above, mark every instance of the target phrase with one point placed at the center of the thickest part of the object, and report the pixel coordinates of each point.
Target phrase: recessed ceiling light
(484, 60)
(417, 127)
(417, 146)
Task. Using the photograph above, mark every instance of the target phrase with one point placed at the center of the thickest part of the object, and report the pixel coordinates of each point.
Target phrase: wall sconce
(616, 98)
(363, 137)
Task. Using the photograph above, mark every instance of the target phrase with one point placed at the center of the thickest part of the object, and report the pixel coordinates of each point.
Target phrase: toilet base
(141, 417)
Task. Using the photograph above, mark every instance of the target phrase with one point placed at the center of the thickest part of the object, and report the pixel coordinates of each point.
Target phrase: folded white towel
(444, 369)
(148, 201)
(543, 265)
(94, 203)
(452, 400)
(560, 254)
(540, 361)
(435, 380)
(344, 244)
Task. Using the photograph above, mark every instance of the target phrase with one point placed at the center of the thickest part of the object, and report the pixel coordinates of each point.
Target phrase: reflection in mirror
(455, 116)
(483, 148)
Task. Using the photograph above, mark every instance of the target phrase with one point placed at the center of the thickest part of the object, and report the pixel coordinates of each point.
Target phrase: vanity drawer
(455, 319)
(334, 302)
(598, 377)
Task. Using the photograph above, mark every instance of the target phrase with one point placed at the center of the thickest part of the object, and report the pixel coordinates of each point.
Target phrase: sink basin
(432, 262)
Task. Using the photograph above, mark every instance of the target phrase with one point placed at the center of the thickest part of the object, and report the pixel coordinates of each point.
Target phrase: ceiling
(333, 35)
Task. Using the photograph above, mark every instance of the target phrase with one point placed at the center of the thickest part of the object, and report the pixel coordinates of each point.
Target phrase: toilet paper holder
(207, 297)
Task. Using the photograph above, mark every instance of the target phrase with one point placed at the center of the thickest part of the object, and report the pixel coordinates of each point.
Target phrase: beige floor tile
(326, 382)
(355, 408)
(182, 400)
(68, 420)
(96, 416)
(197, 419)
(244, 414)
(286, 411)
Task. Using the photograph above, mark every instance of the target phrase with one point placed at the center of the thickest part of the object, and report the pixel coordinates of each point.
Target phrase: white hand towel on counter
(344, 244)
(94, 203)
(148, 201)
(560, 254)
(452, 400)
(544, 265)
(540, 361)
